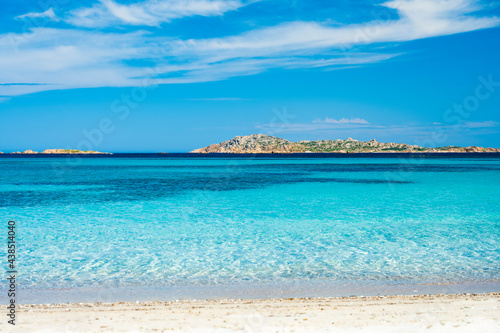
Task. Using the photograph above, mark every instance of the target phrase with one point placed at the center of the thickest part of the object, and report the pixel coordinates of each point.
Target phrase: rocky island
(60, 151)
(266, 144)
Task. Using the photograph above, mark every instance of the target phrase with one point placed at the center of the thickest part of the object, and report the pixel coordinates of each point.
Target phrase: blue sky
(175, 75)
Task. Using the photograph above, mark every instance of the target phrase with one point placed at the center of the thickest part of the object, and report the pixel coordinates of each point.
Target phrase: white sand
(475, 313)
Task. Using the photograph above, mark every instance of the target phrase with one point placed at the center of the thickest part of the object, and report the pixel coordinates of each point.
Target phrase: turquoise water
(183, 221)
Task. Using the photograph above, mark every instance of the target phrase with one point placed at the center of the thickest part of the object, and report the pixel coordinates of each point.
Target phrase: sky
(176, 75)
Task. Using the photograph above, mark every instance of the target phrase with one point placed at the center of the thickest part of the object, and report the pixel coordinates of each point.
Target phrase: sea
(135, 227)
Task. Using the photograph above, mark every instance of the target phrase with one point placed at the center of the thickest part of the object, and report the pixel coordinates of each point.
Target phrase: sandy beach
(424, 313)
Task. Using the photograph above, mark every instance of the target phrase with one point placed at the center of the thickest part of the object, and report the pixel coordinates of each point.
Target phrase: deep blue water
(135, 221)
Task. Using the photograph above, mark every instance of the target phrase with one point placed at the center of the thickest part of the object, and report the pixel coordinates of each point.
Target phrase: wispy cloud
(81, 58)
(147, 13)
(49, 13)
(216, 99)
(360, 127)
(341, 121)
(316, 127)
(481, 124)
(417, 19)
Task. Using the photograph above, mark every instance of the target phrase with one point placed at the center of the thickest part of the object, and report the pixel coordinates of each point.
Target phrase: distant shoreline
(338, 154)
(57, 152)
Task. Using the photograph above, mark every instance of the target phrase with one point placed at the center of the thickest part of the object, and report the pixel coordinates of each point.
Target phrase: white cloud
(327, 125)
(49, 13)
(217, 99)
(79, 59)
(417, 19)
(341, 121)
(426, 134)
(74, 58)
(481, 124)
(148, 13)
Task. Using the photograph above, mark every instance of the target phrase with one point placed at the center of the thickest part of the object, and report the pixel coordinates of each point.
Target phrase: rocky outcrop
(60, 151)
(257, 143)
(265, 144)
(29, 151)
(70, 151)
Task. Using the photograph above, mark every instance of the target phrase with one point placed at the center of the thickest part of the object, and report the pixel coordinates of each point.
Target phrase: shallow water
(177, 221)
